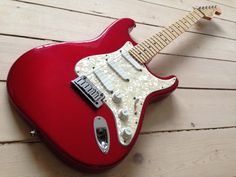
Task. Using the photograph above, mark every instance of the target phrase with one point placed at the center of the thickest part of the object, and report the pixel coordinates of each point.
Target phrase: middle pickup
(116, 66)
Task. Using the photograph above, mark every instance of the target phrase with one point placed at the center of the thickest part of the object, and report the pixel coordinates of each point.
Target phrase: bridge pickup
(131, 60)
(89, 90)
(103, 78)
(115, 66)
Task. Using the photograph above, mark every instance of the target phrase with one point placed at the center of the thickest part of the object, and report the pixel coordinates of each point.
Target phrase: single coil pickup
(89, 90)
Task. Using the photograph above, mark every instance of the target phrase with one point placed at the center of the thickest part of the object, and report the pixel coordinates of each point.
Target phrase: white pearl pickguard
(133, 91)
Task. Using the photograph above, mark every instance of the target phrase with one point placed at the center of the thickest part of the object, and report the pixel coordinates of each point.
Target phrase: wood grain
(228, 13)
(190, 133)
(197, 153)
(151, 12)
(50, 23)
(177, 112)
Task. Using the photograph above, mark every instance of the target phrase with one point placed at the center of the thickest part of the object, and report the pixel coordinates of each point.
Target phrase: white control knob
(116, 97)
(123, 114)
(126, 133)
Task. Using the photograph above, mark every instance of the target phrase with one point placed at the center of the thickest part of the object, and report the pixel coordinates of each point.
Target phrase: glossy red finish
(39, 86)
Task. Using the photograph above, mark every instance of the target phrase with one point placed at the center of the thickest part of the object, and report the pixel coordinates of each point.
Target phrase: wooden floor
(191, 133)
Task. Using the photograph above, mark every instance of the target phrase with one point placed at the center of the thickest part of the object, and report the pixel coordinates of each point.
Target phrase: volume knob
(126, 133)
(116, 97)
(123, 114)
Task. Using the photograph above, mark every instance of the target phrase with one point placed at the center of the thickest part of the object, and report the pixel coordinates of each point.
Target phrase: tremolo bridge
(125, 84)
(89, 90)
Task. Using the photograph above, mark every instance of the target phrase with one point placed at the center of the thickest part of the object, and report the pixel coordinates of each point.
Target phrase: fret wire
(160, 41)
(135, 55)
(169, 34)
(189, 22)
(140, 53)
(166, 35)
(154, 43)
(194, 21)
(195, 15)
(171, 31)
(176, 29)
(198, 13)
(149, 47)
(183, 25)
(153, 46)
(146, 50)
(140, 46)
(164, 42)
(157, 43)
(163, 38)
(182, 29)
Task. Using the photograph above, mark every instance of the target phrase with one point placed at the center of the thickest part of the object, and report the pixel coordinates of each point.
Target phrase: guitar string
(115, 60)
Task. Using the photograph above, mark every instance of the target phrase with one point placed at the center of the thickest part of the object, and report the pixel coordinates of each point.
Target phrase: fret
(166, 35)
(198, 13)
(190, 16)
(149, 47)
(131, 52)
(163, 38)
(167, 32)
(182, 25)
(153, 46)
(144, 50)
(141, 53)
(148, 42)
(156, 43)
(185, 24)
(195, 15)
(190, 22)
(182, 29)
(174, 28)
(160, 42)
(172, 32)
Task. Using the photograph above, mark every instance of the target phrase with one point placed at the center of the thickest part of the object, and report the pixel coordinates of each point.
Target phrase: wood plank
(199, 153)
(192, 72)
(227, 12)
(145, 12)
(12, 126)
(184, 109)
(228, 3)
(13, 47)
(192, 109)
(26, 20)
(195, 72)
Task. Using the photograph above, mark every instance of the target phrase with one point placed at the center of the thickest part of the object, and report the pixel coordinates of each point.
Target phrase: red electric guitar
(87, 99)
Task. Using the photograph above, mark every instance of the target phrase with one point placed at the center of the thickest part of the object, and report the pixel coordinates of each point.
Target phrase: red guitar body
(39, 85)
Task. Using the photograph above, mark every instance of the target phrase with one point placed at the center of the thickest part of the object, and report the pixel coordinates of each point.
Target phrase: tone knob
(116, 97)
(126, 133)
(123, 114)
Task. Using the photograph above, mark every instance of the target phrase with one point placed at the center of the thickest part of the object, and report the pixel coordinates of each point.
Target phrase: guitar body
(39, 85)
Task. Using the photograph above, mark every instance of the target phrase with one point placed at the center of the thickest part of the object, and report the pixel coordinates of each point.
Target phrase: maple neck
(146, 50)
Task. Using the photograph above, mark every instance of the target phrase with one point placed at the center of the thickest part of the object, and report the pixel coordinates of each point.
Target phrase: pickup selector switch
(123, 114)
(126, 133)
(116, 97)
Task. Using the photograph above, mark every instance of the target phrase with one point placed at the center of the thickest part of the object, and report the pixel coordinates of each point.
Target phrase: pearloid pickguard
(140, 85)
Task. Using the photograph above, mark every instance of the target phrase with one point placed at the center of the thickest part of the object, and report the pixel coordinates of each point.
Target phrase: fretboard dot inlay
(146, 50)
